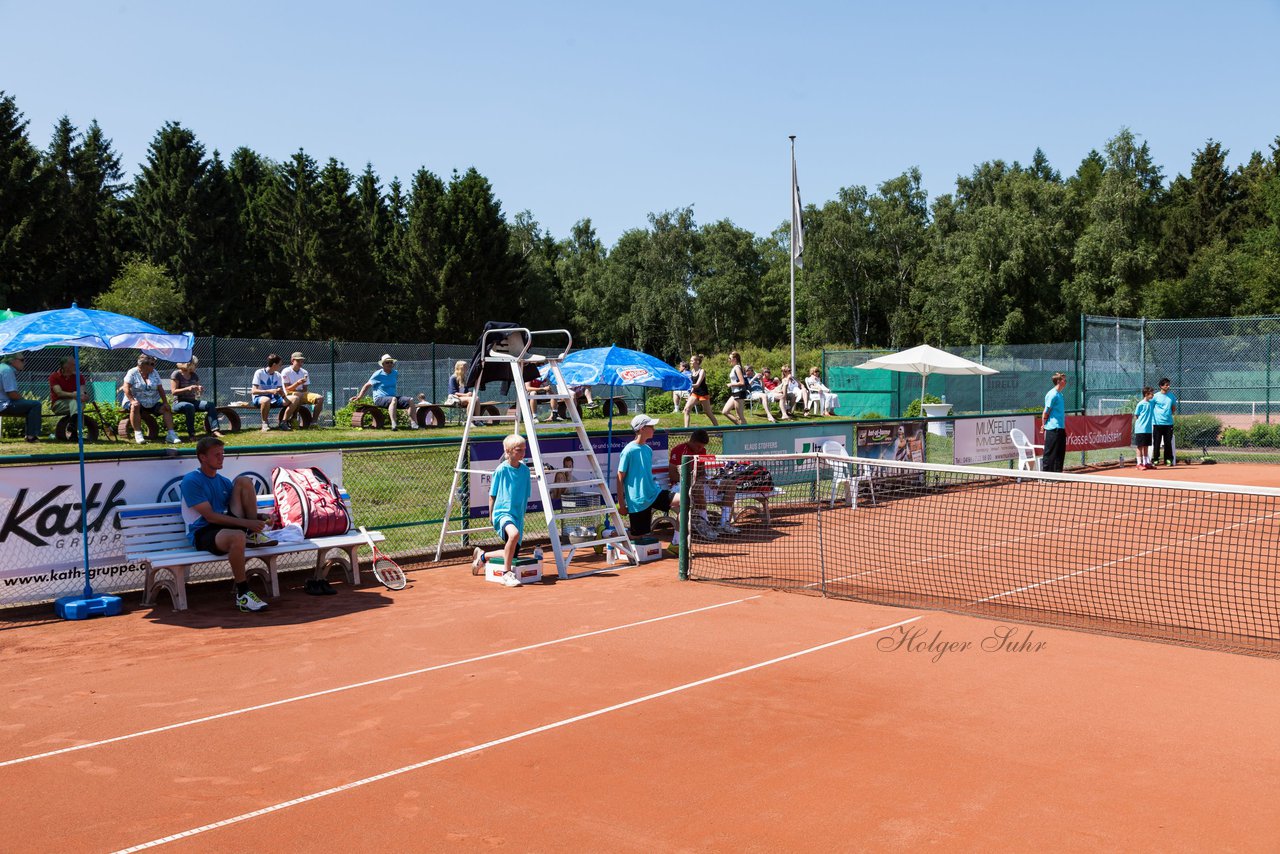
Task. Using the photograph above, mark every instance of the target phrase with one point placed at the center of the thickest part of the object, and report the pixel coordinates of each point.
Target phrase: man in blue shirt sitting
(222, 517)
(1055, 426)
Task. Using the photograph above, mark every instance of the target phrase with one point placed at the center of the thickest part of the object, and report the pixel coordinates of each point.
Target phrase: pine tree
(479, 276)
(24, 212)
(422, 259)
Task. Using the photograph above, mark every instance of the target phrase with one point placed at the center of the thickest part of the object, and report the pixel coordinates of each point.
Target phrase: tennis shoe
(139, 438)
(703, 529)
(672, 550)
(477, 562)
(258, 539)
(250, 602)
(172, 438)
(730, 529)
(509, 579)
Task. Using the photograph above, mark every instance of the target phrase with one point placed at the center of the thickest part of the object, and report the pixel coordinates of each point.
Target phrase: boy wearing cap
(296, 382)
(384, 384)
(638, 491)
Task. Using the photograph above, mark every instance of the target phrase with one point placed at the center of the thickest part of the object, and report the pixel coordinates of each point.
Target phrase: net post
(817, 488)
(685, 464)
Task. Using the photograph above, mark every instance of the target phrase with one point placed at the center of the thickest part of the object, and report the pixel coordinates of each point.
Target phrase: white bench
(155, 535)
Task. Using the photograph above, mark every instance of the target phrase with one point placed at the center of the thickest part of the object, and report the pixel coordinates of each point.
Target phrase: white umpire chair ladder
(498, 348)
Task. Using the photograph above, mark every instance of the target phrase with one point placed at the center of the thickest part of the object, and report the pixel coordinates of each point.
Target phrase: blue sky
(615, 110)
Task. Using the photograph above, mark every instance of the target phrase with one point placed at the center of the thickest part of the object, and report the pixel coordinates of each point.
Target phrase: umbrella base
(83, 607)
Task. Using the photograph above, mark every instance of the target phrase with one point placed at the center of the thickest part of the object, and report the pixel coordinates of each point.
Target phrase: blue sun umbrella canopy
(85, 327)
(77, 327)
(615, 366)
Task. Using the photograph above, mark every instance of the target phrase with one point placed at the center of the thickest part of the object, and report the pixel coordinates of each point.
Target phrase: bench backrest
(150, 528)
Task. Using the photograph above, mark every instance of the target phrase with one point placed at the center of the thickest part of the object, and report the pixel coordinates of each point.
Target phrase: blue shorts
(384, 400)
(501, 522)
(270, 398)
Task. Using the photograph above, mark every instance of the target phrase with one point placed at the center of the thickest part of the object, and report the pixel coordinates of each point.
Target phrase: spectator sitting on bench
(144, 391)
(582, 396)
(543, 386)
(788, 393)
(756, 391)
(222, 516)
(12, 403)
(184, 383)
(63, 397)
(460, 393)
(268, 391)
(297, 383)
(384, 384)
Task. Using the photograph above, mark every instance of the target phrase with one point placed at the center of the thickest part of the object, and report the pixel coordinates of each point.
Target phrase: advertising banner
(40, 548)
(555, 452)
(1094, 432)
(800, 439)
(986, 440)
(889, 440)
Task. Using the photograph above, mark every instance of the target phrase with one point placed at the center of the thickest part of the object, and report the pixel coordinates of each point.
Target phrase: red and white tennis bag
(308, 499)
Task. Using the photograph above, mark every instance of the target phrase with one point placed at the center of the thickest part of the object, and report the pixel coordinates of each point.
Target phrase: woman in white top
(144, 392)
(818, 391)
(735, 408)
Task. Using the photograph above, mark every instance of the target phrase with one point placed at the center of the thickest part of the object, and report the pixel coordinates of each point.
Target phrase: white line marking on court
(367, 683)
(1039, 535)
(506, 739)
(1125, 559)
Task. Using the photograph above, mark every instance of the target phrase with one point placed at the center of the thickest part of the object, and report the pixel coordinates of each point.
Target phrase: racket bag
(308, 499)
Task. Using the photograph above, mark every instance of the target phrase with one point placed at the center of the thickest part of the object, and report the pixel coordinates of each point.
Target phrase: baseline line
(381, 679)
(186, 834)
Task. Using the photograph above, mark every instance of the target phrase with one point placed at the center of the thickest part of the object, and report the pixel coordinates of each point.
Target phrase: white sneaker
(139, 438)
(250, 602)
(703, 529)
(509, 579)
(477, 562)
(172, 438)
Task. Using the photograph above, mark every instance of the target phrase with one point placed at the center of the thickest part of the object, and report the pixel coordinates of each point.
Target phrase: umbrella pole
(608, 452)
(84, 510)
(924, 379)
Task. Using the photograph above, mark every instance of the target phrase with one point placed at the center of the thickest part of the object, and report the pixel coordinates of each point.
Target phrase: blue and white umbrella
(103, 330)
(617, 366)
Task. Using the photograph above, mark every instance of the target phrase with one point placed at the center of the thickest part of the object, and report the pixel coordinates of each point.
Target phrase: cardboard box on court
(527, 570)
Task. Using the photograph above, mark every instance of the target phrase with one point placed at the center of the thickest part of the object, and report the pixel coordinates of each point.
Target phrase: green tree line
(252, 247)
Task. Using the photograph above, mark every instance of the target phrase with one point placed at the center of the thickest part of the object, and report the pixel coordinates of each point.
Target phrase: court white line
(1126, 559)
(381, 679)
(186, 834)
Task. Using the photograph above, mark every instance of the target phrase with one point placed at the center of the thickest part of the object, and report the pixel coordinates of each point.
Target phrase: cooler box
(647, 549)
(80, 608)
(527, 570)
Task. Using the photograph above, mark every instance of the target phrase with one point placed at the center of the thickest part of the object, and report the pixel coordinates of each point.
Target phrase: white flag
(797, 227)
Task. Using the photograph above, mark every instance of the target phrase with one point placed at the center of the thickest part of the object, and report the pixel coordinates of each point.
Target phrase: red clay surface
(891, 741)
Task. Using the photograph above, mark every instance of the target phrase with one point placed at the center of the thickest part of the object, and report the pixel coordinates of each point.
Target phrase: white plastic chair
(1027, 459)
(843, 473)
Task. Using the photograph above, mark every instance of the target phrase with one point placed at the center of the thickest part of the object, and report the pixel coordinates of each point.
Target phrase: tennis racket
(385, 569)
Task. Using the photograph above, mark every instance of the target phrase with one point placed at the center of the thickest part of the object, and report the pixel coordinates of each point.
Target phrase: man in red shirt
(63, 398)
(696, 447)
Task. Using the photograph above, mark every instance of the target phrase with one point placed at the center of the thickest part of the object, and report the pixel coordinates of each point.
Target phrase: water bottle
(609, 551)
(537, 554)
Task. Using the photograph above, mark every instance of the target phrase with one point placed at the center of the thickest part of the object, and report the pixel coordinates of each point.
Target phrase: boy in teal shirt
(1163, 407)
(638, 492)
(1142, 420)
(508, 497)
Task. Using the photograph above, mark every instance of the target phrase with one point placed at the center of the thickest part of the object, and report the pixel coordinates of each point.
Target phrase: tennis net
(1180, 562)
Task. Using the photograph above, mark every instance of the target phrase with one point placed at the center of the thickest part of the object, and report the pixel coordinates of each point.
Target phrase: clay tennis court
(627, 711)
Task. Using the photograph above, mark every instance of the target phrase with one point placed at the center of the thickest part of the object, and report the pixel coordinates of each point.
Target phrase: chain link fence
(1224, 371)
(1024, 377)
(337, 369)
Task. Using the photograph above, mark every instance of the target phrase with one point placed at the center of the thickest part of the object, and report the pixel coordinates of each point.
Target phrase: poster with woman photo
(902, 441)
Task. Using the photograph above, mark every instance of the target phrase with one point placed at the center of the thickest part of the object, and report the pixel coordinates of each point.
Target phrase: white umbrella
(925, 360)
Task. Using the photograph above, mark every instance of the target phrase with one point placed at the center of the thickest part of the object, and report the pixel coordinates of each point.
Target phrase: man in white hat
(384, 383)
(297, 382)
(638, 491)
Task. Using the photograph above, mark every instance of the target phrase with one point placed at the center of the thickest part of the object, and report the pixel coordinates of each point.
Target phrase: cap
(297, 356)
(386, 357)
(642, 420)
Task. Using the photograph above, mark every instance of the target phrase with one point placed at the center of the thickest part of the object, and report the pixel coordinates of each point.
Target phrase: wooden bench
(155, 535)
(303, 415)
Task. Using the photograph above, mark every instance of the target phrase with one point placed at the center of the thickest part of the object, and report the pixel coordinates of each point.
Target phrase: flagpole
(793, 256)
